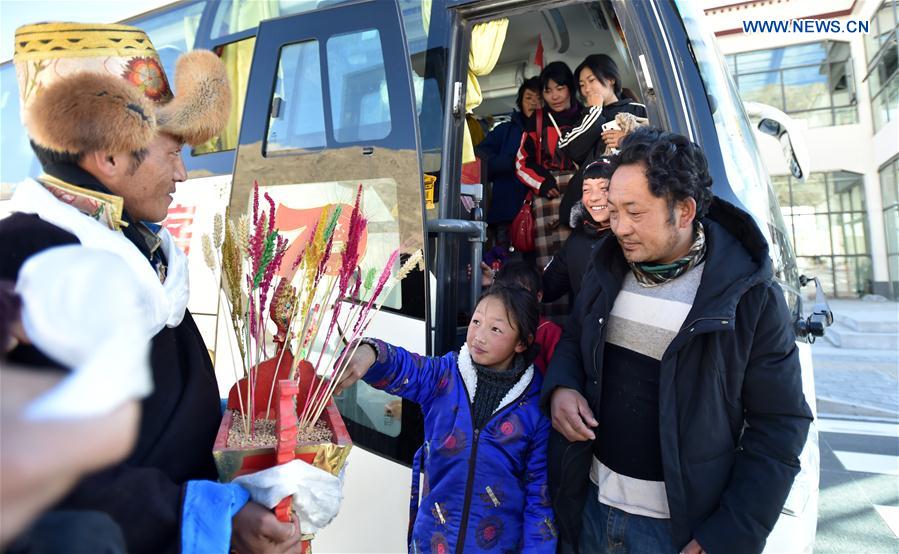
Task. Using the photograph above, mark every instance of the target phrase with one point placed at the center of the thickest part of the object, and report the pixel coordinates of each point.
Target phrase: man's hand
(487, 275)
(692, 548)
(256, 530)
(571, 415)
(357, 367)
(549, 188)
(613, 137)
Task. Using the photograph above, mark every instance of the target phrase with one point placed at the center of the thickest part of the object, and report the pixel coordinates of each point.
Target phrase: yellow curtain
(237, 57)
(426, 15)
(245, 15)
(486, 44)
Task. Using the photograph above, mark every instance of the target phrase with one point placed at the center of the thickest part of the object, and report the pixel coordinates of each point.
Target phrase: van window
(297, 116)
(427, 51)
(360, 103)
(172, 32)
(742, 162)
(233, 17)
(237, 57)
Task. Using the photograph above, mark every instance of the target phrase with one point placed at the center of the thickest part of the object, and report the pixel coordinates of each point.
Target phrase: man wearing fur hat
(105, 126)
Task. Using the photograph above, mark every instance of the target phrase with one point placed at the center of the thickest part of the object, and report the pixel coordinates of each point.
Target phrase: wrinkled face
(147, 193)
(591, 85)
(643, 223)
(492, 339)
(530, 101)
(596, 199)
(556, 96)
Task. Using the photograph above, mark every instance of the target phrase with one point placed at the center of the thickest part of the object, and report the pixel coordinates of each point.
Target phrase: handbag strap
(540, 136)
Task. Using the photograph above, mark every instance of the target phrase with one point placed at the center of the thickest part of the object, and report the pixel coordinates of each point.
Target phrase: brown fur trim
(88, 112)
(202, 98)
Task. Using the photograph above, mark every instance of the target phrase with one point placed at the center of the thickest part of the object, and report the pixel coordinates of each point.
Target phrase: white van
(330, 94)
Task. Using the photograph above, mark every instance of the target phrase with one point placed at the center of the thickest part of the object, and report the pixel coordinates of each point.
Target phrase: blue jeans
(610, 530)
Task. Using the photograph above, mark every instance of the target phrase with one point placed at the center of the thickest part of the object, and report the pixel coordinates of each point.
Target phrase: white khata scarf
(163, 303)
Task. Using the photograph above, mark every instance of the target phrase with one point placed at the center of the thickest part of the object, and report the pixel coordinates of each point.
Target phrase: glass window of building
(826, 216)
(889, 189)
(811, 81)
(882, 52)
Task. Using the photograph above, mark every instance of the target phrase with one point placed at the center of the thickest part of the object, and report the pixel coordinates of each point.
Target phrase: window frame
(834, 109)
(875, 58)
(893, 206)
(836, 222)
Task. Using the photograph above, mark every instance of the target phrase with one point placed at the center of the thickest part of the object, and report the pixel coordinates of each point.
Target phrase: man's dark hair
(532, 84)
(675, 167)
(560, 73)
(520, 273)
(524, 315)
(48, 157)
(604, 68)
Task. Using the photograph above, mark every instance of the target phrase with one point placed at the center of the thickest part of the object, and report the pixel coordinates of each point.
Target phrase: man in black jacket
(676, 389)
(105, 126)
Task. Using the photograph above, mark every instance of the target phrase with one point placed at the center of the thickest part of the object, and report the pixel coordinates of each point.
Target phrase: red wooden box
(234, 462)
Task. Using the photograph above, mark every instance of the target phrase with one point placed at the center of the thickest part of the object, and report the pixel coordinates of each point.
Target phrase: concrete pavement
(859, 382)
(857, 390)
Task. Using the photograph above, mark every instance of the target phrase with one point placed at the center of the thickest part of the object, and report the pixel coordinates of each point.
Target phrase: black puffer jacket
(732, 415)
(564, 273)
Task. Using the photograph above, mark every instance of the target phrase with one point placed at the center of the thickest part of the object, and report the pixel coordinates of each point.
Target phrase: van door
(330, 106)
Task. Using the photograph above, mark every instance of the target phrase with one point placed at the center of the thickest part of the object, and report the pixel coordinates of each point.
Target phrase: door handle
(368, 150)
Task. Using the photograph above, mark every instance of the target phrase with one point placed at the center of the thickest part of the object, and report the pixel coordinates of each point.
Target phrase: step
(843, 336)
(866, 316)
(868, 325)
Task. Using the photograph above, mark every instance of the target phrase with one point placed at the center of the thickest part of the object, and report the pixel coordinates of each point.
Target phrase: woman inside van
(599, 83)
(546, 169)
(498, 149)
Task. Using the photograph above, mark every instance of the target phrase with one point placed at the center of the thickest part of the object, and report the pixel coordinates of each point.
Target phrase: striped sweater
(627, 465)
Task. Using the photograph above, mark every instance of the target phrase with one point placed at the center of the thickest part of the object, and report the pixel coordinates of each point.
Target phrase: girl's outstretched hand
(357, 367)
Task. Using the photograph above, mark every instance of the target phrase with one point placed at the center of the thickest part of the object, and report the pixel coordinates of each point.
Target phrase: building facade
(841, 83)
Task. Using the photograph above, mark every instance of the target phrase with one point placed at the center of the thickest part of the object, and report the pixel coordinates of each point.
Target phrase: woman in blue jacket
(498, 149)
(484, 454)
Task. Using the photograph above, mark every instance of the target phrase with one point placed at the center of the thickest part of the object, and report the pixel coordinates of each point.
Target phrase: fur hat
(89, 87)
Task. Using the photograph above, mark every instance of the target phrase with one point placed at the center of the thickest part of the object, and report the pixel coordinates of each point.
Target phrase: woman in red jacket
(546, 169)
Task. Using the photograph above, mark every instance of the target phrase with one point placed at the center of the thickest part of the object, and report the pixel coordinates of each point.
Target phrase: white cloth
(163, 304)
(316, 493)
(629, 494)
(81, 307)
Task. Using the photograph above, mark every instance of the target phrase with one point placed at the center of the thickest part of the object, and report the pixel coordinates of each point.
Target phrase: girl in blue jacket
(484, 453)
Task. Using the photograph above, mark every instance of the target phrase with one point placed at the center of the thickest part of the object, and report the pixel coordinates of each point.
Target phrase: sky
(14, 13)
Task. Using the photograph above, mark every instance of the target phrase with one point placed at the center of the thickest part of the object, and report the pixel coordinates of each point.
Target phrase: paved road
(858, 508)
(862, 383)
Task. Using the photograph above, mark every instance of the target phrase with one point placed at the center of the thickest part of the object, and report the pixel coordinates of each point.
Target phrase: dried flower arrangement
(304, 298)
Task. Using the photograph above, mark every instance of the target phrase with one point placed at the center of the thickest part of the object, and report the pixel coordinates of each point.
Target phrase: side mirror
(821, 318)
(782, 127)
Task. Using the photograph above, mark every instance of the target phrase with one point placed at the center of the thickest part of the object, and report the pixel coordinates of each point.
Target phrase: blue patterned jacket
(484, 489)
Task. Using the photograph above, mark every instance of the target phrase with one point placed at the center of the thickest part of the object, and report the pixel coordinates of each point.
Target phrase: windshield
(746, 172)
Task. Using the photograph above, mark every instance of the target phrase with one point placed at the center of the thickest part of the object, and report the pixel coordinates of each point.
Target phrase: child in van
(484, 454)
(548, 333)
